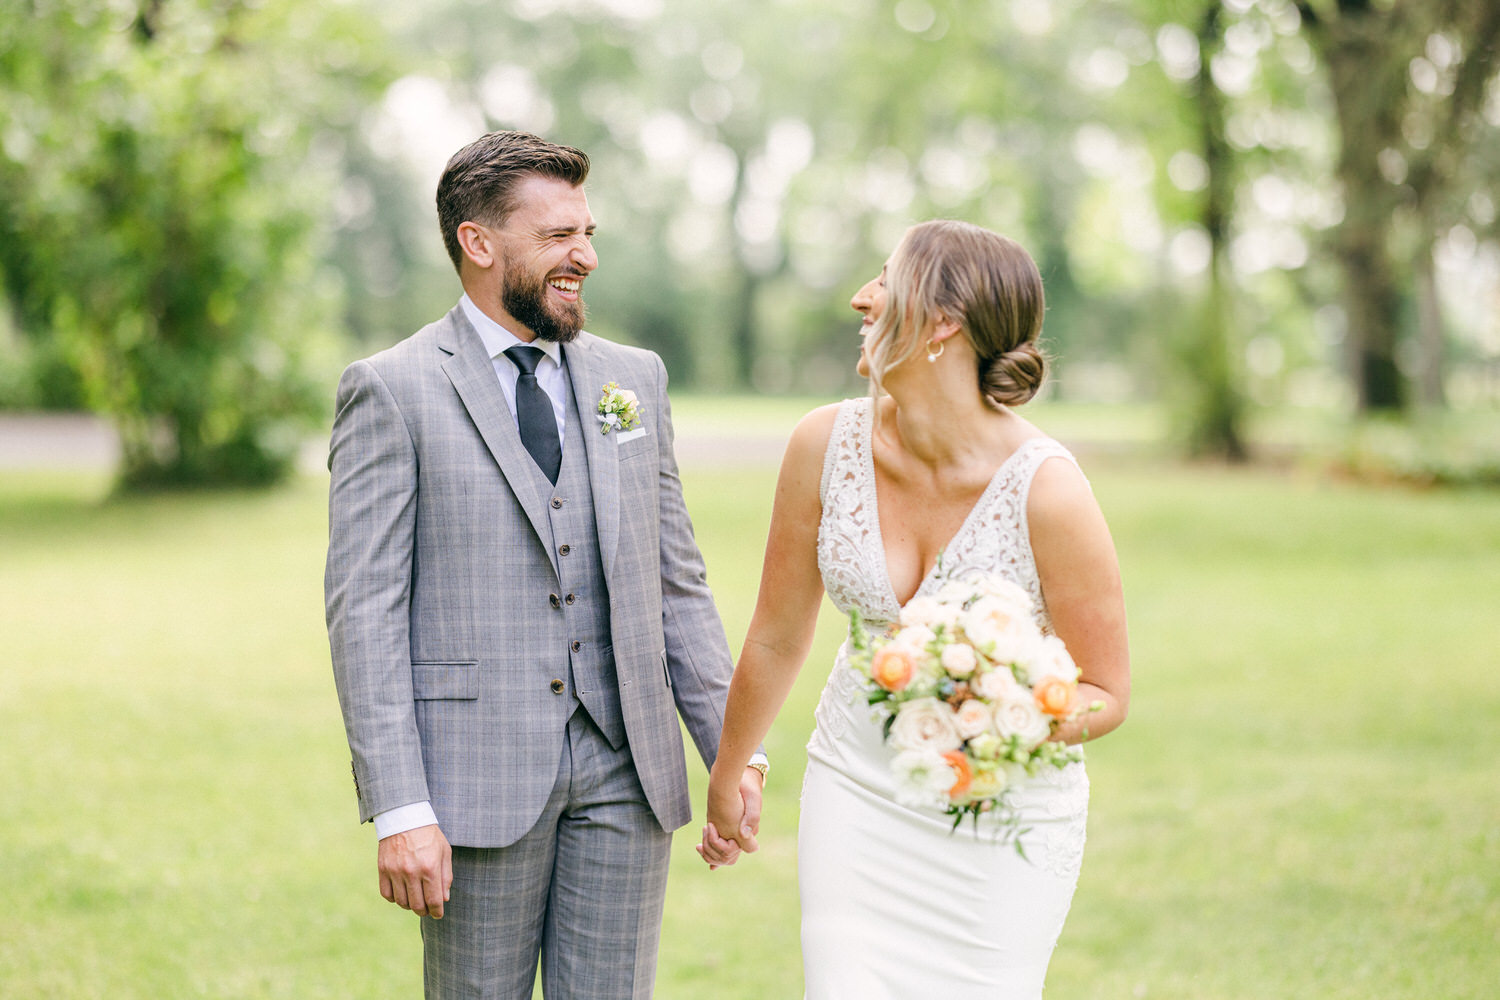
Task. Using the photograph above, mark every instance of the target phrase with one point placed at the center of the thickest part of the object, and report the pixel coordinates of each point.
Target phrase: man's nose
(584, 257)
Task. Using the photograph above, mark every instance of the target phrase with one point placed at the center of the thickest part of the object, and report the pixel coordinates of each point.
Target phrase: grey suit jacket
(438, 587)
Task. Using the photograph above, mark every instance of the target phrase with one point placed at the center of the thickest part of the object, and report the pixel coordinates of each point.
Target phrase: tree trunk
(1216, 405)
(1367, 86)
(1430, 350)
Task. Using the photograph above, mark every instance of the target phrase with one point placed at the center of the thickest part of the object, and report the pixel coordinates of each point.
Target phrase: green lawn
(1304, 802)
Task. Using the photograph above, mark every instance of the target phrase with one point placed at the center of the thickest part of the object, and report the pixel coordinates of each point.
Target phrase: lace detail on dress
(851, 556)
(994, 538)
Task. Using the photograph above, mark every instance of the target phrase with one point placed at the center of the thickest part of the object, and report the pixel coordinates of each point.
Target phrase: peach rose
(963, 774)
(1054, 696)
(892, 667)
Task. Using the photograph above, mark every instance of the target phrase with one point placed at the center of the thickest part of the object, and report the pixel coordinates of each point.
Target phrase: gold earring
(932, 355)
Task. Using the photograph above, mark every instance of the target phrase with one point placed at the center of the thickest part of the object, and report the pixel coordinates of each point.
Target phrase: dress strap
(840, 458)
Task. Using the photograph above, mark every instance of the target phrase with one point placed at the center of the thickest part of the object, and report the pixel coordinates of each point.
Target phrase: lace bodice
(994, 538)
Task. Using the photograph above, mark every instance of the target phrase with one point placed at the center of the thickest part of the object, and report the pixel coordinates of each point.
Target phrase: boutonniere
(619, 409)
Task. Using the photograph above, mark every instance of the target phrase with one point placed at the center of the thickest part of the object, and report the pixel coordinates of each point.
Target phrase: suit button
(577, 645)
(553, 599)
(557, 503)
(558, 686)
(564, 549)
(569, 599)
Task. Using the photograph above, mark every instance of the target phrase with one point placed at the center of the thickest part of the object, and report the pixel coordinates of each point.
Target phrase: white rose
(922, 611)
(1017, 715)
(627, 397)
(915, 638)
(925, 724)
(956, 593)
(995, 684)
(923, 778)
(1050, 658)
(1007, 591)
(959, 660)
(973, 718)
(999, 629)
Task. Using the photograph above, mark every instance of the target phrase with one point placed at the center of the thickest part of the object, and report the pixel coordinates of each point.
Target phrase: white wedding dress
(895, 902)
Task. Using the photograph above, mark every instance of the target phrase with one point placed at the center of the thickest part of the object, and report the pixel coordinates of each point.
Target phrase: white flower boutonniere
(619, 409)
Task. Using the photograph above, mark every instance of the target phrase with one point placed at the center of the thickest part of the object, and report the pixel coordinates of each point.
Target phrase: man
(516, 606)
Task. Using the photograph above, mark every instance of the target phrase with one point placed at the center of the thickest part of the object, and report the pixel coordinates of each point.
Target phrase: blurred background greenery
(1268, 232)
(1242, 208)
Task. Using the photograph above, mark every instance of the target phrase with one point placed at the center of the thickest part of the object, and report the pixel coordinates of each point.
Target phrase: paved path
(82, 442)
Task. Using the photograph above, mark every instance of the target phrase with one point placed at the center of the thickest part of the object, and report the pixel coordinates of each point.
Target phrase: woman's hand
(735, 812)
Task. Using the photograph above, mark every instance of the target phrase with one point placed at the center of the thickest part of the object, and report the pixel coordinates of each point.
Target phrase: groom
(516, 606)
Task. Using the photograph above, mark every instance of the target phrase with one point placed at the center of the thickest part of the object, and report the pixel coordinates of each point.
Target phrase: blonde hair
(987, 284)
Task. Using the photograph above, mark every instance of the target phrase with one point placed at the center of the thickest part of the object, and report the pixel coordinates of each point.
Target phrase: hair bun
(1014, 377)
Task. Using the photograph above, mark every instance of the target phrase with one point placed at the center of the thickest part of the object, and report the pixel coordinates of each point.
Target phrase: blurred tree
(1409, 80)
(162, 192)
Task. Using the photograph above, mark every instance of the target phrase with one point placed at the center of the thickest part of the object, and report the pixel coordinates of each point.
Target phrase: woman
(872, 492)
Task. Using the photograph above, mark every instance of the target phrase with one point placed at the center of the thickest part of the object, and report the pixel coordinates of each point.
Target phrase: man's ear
(477, 244)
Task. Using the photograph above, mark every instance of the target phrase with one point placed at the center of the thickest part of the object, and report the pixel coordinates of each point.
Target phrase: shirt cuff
(403, 818)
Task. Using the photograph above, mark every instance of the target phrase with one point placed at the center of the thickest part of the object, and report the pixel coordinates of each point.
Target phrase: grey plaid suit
(447, 625)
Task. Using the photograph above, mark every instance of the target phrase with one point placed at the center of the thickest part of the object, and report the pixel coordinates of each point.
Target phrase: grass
(1302, 804)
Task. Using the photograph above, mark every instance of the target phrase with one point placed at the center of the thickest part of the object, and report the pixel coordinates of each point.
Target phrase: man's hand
(416, 870)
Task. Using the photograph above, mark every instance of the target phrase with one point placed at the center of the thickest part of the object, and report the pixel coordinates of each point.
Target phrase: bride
(879, 500)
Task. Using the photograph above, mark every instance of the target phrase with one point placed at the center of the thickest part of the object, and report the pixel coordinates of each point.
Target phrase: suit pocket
(444, 680)
(636, 447)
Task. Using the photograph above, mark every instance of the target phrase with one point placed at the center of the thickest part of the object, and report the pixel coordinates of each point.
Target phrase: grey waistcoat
(582, 592)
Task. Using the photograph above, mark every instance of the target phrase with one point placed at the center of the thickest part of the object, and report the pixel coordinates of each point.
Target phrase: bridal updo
(981, 280)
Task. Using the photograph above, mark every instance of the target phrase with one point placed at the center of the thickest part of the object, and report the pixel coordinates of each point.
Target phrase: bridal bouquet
(971, 692)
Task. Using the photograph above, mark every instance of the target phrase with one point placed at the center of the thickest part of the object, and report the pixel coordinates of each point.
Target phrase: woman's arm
(1075, 559)
(781, 631)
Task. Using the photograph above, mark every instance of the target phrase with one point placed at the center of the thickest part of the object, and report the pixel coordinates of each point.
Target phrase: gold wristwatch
(762, 767)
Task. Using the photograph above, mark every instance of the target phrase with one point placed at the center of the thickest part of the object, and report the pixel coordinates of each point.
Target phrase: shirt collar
(497, 338)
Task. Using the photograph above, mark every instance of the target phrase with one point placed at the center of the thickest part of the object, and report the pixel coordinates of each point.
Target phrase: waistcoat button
(577, 645)
(569, 598)
(553, 599)
(557, 503)
(558, 686)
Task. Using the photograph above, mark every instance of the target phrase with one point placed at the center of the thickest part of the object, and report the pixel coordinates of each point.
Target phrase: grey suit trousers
(591, 874)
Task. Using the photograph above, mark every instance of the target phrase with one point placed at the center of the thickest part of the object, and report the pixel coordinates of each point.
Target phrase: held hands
(735, 812)
(416, 870)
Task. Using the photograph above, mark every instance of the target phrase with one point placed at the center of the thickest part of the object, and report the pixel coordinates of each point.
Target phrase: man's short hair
(479, 182)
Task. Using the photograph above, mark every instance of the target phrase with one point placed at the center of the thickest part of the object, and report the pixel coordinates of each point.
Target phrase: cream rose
(1050, 658)
(914, 638)
(973, 718)
(988, 784)
(1000, 630)
(1008, 592)
(959, 660)
(925, 724)
(1019, 715)
(923, 611)
(996, 684)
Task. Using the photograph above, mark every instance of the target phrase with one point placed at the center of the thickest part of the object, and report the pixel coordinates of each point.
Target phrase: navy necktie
(534, 413)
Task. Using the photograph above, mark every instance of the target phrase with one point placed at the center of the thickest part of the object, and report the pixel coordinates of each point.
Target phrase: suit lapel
(472, 373)
(588, 378)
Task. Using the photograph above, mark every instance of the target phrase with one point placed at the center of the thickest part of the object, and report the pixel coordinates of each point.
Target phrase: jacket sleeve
(367, 589)
(697, 651)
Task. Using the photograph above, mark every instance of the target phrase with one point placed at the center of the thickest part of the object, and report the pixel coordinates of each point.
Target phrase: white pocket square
(622, 436)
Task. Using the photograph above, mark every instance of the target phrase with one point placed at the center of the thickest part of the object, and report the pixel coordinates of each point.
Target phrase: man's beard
(525, 300)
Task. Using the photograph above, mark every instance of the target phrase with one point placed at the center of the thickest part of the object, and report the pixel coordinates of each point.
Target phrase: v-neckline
(885, 561)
